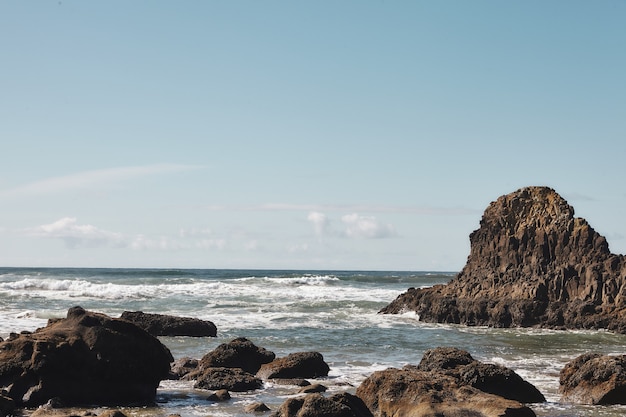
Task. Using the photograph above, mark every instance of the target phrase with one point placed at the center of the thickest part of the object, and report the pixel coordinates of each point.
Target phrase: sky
(356, 135)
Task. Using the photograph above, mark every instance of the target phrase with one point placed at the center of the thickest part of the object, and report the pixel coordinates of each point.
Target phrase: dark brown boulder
(231, 379)
(594, 379)
(238, 353)
(86, 358)
(164, 325)
(448, 382)
(295, 365)
(489, 378)
(531, 263)
(316, 405)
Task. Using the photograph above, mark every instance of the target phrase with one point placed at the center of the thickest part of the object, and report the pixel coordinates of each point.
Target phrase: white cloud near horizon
(76, 235)
(92, 178)
(366, 227)
(355, 226)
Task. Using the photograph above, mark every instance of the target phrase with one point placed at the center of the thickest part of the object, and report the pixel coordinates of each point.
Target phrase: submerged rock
(164, 325)
(594, 379)
(84, 359)
(531, 263)
(448, 382)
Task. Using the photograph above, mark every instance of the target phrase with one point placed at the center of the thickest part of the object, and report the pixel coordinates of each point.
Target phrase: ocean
(331, 312)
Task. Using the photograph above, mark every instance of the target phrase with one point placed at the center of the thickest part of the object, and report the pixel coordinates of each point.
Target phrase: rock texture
(231, 379)
(238, 353)
(448, 382)
(295, 365)
(86, 358)
(164, 325)
(316, 405)
(531, 263)
(594, 379)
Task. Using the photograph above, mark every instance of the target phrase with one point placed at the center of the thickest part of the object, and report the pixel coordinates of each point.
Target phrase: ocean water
(332, 312)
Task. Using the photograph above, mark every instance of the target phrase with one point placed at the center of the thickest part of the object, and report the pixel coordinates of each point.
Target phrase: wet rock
(309, 389)
(448, 382)
(295, 365)
(85, 358)
(219, 396)
(594, 379)
(182, 367)
(489, 378)
(316, 405)
(238, 353)
(256, 408)
(531, 263)
(231, 379)
(164, 325)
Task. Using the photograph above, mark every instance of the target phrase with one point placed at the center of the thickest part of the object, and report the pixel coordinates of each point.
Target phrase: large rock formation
(448, 382)
(532, 263)
(86, 358)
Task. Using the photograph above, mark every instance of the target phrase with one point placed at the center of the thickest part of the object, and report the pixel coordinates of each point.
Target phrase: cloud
(75, 235)
(355, 226)
(366, 227)
(321, 224)
(93, 178)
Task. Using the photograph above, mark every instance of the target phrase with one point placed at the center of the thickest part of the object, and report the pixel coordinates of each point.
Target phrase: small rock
(256, 408)
(309, 389)
(219, 396)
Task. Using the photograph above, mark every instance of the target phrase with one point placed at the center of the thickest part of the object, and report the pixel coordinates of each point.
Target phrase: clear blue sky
(282, 134)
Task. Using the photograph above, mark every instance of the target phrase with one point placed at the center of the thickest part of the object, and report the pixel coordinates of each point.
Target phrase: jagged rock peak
(531, 263)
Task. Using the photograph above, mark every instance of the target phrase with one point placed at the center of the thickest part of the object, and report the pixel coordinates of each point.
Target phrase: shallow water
(333, 312)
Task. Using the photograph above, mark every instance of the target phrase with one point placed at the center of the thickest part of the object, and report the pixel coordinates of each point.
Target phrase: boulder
(182, 367)
(295, 365)
(489, 378)
(231, 379)
(220, 395)
(257, 407)
(84, 359)
(448, 382)
(594, 379)
(238, 353)
(164, 325)
(316, 405)
(531, 263)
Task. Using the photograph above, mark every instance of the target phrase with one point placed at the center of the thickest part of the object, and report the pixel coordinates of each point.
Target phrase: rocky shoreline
(532, 264)
(89, 360)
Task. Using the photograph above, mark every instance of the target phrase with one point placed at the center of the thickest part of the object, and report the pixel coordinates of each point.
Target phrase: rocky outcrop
(85, 358)
(448, 382)
(531, 263)
(238, 353)
(594, 379)
(230, 366)
(316, 405)
(295, 365)
(164, 325)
